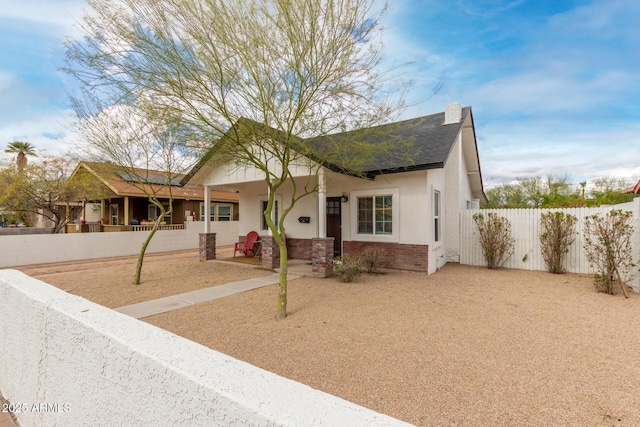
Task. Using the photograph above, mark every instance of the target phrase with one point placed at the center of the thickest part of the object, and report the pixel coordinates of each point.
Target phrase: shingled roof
(123, 184)
(423, 143)
(426, 143)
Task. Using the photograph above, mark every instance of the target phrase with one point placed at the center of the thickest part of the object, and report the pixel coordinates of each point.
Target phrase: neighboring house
(408, 207)
(632, 190)
(124, 203)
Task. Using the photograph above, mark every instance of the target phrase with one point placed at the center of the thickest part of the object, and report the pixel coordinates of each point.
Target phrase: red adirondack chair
(248, 244)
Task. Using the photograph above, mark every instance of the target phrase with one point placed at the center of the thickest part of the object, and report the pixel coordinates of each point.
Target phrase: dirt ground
(464, 346)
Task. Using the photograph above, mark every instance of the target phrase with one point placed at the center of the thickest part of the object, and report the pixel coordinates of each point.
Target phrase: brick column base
(270, 253)
(322, 256)
(207, 246)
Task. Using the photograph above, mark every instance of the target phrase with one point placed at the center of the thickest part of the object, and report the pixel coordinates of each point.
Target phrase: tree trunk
(281, 313)
(143, 249)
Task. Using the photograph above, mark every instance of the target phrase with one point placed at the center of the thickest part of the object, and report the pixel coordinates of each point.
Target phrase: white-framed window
(375, 215)
(224, 212)
(113, 212)
(153, 212)
(212, 211)
(436, 216)
(263, 206)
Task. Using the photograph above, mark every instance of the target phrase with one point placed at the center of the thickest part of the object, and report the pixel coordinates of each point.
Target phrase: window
(436, 216)
(212, 212)
(152, 212)
(167, 217)
(113, 210)
(275, 211)
(375, 215)
(224, 212)
(333, 207)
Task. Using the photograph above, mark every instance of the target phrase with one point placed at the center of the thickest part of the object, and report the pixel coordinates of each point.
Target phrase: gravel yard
(464, 346)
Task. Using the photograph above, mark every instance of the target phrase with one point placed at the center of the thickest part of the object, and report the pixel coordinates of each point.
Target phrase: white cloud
(61, 14)
(34, 128)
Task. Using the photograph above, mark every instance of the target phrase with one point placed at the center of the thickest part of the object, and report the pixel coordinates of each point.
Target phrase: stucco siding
(251, 197)
(410, 208)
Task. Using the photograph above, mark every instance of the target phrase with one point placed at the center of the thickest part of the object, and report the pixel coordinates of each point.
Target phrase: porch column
(273, 213)
(322, 205)
(322, 256)
(207, 246)
(126, 210)
(207, 203)
(270, 253)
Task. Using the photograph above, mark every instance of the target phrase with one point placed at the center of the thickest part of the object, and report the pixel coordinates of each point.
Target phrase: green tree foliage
(261, 73)
(557, 233)
(608, 248)
(557, 192)
(43, 189)
(495, 238)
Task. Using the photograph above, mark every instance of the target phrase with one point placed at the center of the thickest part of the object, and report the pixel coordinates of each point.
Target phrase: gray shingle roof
(420, 143)
(415, 144)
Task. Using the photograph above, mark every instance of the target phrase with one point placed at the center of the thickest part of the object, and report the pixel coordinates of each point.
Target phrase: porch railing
(148, 227)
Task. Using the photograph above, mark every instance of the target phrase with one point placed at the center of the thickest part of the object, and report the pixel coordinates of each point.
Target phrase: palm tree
(23, 149)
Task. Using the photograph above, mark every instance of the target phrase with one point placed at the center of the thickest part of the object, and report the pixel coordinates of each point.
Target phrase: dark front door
(334, 223)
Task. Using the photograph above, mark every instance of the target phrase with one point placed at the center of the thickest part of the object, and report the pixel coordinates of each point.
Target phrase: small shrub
(556, 234)
(608, 248)
(495, 238)
(373, 259)
(348, 267)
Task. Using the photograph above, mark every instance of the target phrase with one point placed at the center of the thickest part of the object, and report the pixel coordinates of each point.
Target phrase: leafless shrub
(495, 238)
(557, 233)
(608, 249)
(373, 259)
(347, 267)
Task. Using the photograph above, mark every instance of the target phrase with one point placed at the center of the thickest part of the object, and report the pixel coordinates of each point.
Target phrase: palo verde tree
(257, 76)
(148, 154)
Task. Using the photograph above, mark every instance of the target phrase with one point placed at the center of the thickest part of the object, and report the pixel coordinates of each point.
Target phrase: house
(632, 190)
(407, 202)
(124, 202)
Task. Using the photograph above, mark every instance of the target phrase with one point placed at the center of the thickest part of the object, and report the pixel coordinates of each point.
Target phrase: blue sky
(554, 85)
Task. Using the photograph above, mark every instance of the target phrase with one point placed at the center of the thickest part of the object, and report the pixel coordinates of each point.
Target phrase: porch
(97, 227)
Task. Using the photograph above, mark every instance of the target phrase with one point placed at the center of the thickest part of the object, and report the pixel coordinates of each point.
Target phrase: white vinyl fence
(525, 228)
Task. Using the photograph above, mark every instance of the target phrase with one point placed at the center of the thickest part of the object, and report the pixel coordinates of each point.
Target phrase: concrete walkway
(187, 299)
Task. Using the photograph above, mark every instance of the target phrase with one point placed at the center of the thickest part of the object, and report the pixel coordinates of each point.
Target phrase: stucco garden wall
(46, 248)
(83, 364)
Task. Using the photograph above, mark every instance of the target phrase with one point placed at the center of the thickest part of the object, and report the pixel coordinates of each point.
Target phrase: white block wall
(91, 366)
(46, 248)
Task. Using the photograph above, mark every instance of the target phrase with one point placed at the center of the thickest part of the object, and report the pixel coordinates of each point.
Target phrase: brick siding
(400, 256)
(207, 246)
(299, 248)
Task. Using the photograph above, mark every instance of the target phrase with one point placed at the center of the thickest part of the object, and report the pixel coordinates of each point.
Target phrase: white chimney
(452, 113)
